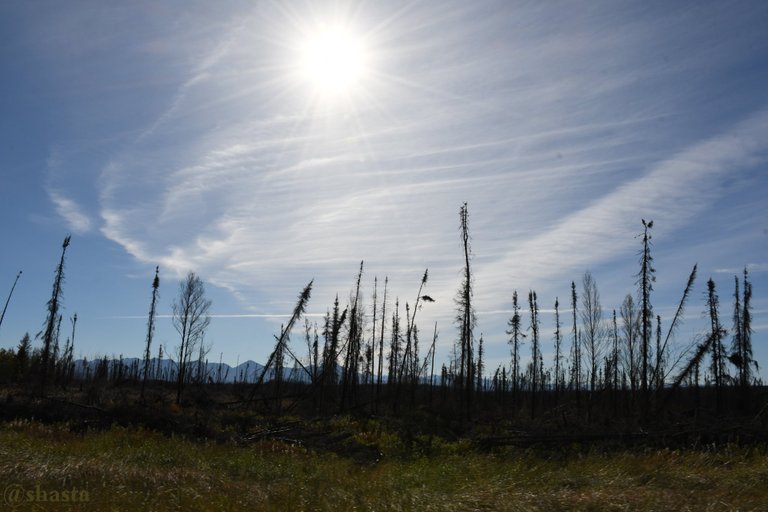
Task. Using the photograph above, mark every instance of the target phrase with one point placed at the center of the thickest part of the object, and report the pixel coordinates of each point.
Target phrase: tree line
(606, 363)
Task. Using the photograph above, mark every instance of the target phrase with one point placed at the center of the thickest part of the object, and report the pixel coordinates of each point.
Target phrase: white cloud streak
(259, 192)
(76, 220)
(751, 267)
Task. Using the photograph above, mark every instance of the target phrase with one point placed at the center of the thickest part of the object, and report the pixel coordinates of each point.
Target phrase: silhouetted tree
(354, 341)
(516, 336)
(394, 347)
(312, 350)
(410, 359)
(615, 353)
(594, 332)
(646, 277)
(190, 319)
(576, 346)
(612, 364)
(717, 350)
(8, 300)
(658, 368)
(55, 356)
(381, 338)
(374, 334)
(559, 378)
(741, 346)
(150, 329)
(67, 360)
(659, 374)
(23, 355)
(281, 344)
(630, 327)
(333, 325)
(479, 367)
(466, 314)
(536, 366)
(49, 332)
(432, 365)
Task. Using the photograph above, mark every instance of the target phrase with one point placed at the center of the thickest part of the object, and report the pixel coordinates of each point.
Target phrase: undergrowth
(130, 468)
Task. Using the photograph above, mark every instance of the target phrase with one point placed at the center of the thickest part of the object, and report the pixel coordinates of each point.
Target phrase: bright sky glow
(264, 144)
(333, 60)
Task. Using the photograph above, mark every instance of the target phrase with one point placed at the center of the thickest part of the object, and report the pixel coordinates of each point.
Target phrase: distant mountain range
(166, 369)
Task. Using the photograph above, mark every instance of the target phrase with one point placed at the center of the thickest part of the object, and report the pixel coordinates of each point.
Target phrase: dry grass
(134, 469)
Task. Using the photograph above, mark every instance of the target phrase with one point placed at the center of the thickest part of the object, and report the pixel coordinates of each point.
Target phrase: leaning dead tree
(281, 345)
(8, 300)
(54, 304)
(150, 329)
(658, 373)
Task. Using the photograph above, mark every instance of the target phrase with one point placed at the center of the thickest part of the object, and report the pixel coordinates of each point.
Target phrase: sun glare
(333, 61)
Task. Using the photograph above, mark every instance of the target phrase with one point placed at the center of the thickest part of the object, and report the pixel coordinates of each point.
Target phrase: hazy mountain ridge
(165, 369)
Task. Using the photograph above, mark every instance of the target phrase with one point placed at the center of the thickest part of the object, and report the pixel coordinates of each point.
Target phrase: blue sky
(183, 134)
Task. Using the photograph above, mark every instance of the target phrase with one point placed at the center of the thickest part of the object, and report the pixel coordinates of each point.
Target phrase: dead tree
(49, 333)
(190, 319)
(646, 277)
(8, 300)
(465, 316)
(516, 336)
(717, 351)
(150, 329)
(281, 344)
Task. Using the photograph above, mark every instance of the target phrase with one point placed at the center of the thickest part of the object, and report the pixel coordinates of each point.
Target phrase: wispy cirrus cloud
(671, 192)
(72, 214)
(560, 145)
(750, 267)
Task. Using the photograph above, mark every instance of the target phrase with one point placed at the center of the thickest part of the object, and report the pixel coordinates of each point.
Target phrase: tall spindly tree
(593, 340)
(190, 319)
(516, 336)
(718, 355)
(537, 370)
(741, 348)
(150, 329)
(49, 333)
(559, 377)
(465, 313)
(646, 277)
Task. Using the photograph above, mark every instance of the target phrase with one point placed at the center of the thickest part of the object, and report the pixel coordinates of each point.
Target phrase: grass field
(47, 467)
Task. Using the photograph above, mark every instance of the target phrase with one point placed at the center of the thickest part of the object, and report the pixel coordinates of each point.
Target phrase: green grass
(134, 469)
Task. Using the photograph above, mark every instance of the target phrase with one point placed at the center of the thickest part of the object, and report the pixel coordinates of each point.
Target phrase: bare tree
(8, 300)
(410, 358)
(190, 319)
(741, 348)
(465, 315)
(646, 277)
(380, 369)
(576, 346)
(480, 365)
(594, 332)
(630, 327)
(660, 374)
(281, 345)
(49, 334)
(558, 351)
(516, 336)
(150, 329)
(537, 369)
(717, 333)
(354, 345)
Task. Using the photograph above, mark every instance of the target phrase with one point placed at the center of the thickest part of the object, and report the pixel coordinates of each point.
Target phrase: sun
(333, 60)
